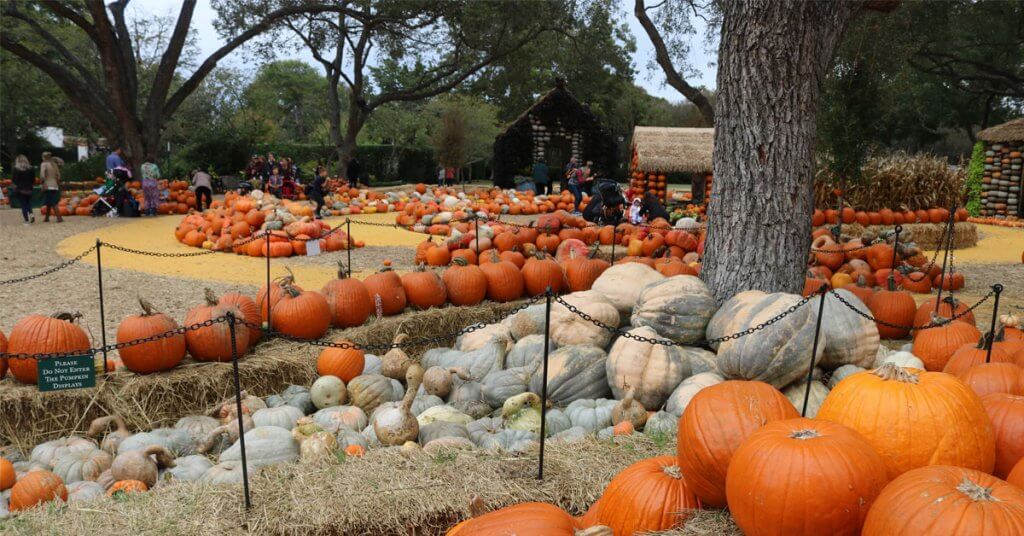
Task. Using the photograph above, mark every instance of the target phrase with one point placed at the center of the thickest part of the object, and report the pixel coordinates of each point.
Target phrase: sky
(649, 77)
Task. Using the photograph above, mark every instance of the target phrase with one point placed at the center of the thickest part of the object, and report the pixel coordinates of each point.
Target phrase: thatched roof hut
(673, 150)
(1006, 132)
(556, 128)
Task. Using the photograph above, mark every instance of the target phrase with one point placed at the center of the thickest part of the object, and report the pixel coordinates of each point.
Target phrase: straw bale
(673, 150)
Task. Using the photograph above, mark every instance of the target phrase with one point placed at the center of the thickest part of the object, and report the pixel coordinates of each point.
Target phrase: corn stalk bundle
(898, 181)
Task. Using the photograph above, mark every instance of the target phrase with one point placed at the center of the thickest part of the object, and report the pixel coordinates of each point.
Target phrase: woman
(49, 172)
(203, 184)
(575, 177)
(316, 189)
(24, 178)
(587, 178)
(151, 187)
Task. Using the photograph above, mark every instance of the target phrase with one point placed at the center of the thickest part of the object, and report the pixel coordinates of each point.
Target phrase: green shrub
(975, 175)
(85, 170)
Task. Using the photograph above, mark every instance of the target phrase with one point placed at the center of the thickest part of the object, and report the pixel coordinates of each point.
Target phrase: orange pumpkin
(7, 474)
(424, 289)
(1007, 414)
(37, 487)
(504, 281)
(386, 287)
(527, 519)
(894, 307)
(213, 343)
(540, 273)
(650, 495)
(127, 486)
(988, 378)
(935, 346)
(249, 309)
(971, 354)
(465, 282)
(948, 308)
(153, 356)
(347, 299)
(345, 363)
(302, 314)
(38, 334)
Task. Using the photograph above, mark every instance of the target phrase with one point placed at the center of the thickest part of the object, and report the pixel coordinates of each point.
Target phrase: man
(352, 172)
(541, 178)
(118, 172)
(605, 207)
(115, 159)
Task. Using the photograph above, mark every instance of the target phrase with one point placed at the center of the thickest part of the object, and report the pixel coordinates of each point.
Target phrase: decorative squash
(36, 487)
(347, 299)
(568, 328)
(652, 370)
(622, 284)
(386, 291)
(850, 339)
(677, 307)
(466, 283)
(77, 465)
(574, 373)
(717, 420)
(987, 378)
(895, 307)
(591, 415)
(369, 391)
(138, 465)
(154, 356)
(127, 486)
(424, 289)
(781, 457)
(38, 334)
(952, 501)
(82, 491)
(1007, 414)
(875, 405)
(935, 346)
(650, 495)
(213, 343)
(797, 391)
(684, 393)
(264, 445)
(112, 440)
(394, 426)
(345, 363)
(719, 323)
(778, 354)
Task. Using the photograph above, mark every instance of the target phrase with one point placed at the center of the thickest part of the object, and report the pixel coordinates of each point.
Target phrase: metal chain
(49, 271)
(126, 344)
(930, 325)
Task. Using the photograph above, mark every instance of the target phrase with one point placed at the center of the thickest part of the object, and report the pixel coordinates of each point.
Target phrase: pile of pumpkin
(886, 216)
(179, 201)
(1009, 221)
(240, 224)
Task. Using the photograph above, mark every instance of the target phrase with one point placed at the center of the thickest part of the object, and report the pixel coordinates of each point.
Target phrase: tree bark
(772, 59)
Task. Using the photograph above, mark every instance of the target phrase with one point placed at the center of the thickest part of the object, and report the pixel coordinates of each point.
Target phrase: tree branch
(61, 10)
(672, 76)
(55, 44)
(169, 62)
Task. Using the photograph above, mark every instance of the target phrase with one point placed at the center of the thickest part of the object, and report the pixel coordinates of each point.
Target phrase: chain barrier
(49, 271)
(930, 325)
(181, 330)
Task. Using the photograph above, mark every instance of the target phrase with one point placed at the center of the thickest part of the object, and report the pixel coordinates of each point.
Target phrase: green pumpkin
(677, 308)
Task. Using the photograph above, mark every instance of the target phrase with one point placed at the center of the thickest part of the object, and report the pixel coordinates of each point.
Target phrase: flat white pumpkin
(652, 370)
(621, 284)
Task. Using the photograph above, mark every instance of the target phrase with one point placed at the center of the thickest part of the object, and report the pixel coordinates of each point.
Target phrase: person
(24, 178)
(449, 176)
(316, 189)
(574, 186)
(440, 175)
(151, 187)
(587, 178)
(275, 181)
(352, 171)
(115, 159)
(651, 208)
(296, 171)
(49, 172)
(287, 186)
(286, 168)
(605, 207)
(203, 184)
(540, 178)
(635, 211)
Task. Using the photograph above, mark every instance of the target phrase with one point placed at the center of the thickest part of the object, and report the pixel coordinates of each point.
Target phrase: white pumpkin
(488, 433)
(369, 391)
(622, 284)
(441, 429)
(319, 446)
(282, 416)
(677, 308)
(229, 472)
(719, 324)
(681, 396)
(82, 464)
(79, 492)
(500, 385)
(842, 373)
(424, 402)
(528, 352)
(652, 370)
(574, 372)
(661, 425)
(591, 415)
(477, 362)
(477, 339)
(568, 328)
(850, 339)
(328, 391)
(347, 437)
(48, 452)
(556, 422)
(188, 469)
(443, 413)
(179, 442)
(797, 392)
(371, 364)
(902, 359)
(340, 417)
(264, 445)
(198, 427)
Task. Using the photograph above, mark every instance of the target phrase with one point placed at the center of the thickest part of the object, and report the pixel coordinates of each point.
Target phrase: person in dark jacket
(652, 208)
(352, 171)
(24, 178)
(605, 207)
(541, 178)
(316, 189)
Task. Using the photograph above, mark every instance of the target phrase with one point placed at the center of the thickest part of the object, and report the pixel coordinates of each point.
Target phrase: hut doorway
(558, 151)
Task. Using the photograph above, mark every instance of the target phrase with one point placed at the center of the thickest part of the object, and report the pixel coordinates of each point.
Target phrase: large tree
(111, 97)
(773, 56)
(391, 51)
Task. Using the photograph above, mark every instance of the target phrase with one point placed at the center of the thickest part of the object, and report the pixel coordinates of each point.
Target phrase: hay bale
(28, 417)
(382, 493)
(925, 235)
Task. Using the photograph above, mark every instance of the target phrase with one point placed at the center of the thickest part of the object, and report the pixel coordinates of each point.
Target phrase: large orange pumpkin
(504, 281)
(914, 418)
(935, 346)
(769, 468)
(970, 354)
(895, 307)
(249, 309)
(989, 378)
(1007, 414)
(650, 495)
(276, 293)
(345, 363)
(715, 422)
(527, 519)
(542, 272)
(154, 356)
(952, 501)
(37, 487)
(949, 307)
(582, 271)
(303, 314)
(1017, 475)
(213, 343)
(386, 287)
(38, 334)
(424, 289)
(347, 299)
(465, 282)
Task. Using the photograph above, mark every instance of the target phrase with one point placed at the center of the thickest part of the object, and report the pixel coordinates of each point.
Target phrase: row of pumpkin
(492, 376)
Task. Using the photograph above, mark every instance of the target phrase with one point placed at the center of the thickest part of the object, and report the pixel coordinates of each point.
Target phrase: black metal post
(998, 289)
(103, 317)
(814, 349)
(266, 242)
(238, 408)
(348, 248)
(544, 383)
(895, 248)
(946, 243)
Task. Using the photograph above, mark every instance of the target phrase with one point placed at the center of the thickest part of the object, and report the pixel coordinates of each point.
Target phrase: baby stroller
(114, 198)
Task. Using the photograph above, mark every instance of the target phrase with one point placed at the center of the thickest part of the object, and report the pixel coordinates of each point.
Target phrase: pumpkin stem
(476, 507)
(67, 316)
(147, 308)
(164, 458)
(985, 341)
(975, 492)
(100, 425)
(209, 296)
(342, 270)
(940, 320)
(673, 471)
(893, 372)
(461, 372)
(413, 378)
(805, 434)
(292, 291)
(461, 261)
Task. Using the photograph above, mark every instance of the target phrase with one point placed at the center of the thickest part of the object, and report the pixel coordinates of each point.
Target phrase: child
(275, 182)
(635, 216)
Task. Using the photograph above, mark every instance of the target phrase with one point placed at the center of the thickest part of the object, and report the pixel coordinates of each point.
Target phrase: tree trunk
(357, 114)
(772, 59)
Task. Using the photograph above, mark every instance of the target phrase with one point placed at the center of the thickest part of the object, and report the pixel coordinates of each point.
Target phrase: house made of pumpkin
(555, 129)
(1002, 184)
(660, 151)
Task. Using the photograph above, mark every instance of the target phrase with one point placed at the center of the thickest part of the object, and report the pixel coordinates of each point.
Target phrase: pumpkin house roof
(1009, 131)
(673, 150)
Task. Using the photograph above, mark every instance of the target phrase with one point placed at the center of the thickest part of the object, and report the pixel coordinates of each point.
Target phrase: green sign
(73, 372)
